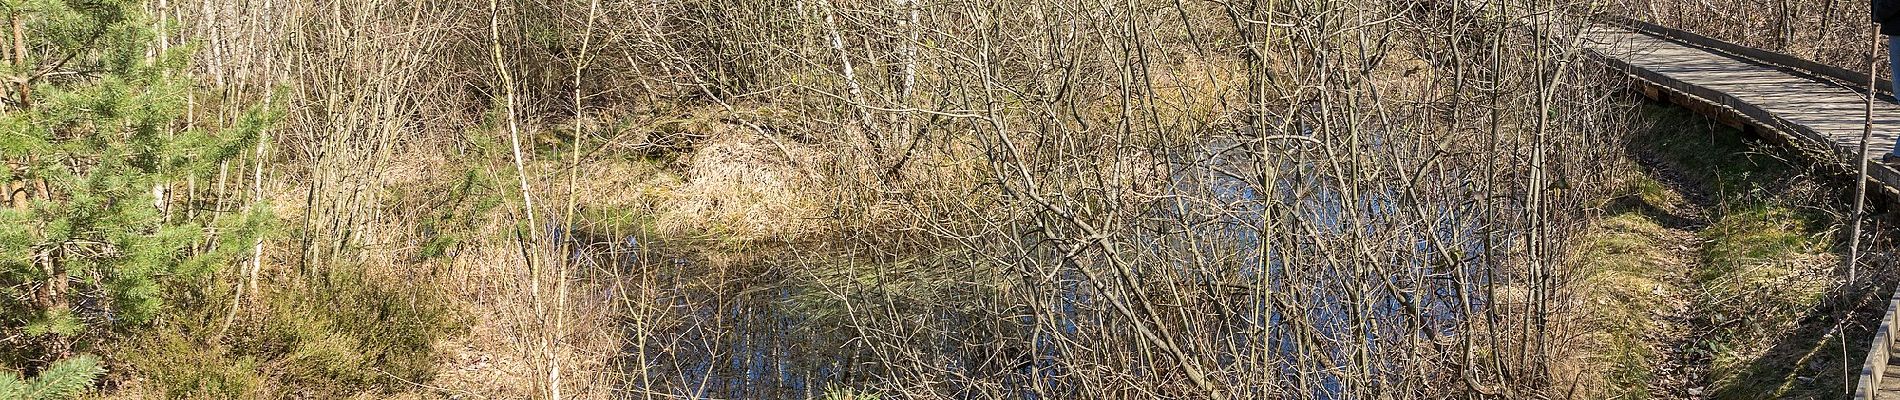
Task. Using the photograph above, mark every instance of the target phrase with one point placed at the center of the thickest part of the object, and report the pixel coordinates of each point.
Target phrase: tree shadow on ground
(1716, 167)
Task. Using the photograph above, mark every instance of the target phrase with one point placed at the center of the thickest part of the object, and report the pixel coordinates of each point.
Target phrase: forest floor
(1682, 366)
(1715, 273)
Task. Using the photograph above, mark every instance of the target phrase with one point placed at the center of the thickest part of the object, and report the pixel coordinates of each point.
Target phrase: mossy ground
(1623, 253)
(1720, 262)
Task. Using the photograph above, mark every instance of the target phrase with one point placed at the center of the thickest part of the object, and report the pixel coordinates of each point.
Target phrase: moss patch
(1759, 289)
(1621, 257)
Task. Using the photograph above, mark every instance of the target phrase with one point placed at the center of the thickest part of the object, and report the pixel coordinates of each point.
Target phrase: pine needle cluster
(95, 218)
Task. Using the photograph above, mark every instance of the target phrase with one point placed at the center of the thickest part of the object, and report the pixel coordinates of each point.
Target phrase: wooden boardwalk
(1814, 107)
(1811, 109)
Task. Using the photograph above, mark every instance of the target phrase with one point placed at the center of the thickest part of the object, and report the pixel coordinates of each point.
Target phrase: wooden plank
(1873, 381)
(1806, 66)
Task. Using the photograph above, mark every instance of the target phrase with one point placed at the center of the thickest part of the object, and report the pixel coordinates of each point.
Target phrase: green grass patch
(1765, 269)
(1743, 246)
(1736, 170)
(1762, 279)
(1620, 258)
(1766, 264)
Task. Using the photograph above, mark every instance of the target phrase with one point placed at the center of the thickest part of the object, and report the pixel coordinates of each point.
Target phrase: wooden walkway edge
(1808, 111)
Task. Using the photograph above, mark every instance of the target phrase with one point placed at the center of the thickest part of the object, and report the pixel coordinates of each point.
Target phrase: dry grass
(394, 163)
(745, 187)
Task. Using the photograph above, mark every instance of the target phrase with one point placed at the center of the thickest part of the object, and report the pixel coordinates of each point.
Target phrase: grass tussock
(707, 175)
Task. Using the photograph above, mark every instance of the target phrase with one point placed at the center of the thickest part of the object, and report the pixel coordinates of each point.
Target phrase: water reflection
(997, 322)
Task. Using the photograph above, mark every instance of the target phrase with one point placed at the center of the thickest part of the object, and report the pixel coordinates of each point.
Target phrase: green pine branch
(63, 380)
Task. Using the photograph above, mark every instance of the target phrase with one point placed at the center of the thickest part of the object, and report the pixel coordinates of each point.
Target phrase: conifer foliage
(97, 219)
(63, 380)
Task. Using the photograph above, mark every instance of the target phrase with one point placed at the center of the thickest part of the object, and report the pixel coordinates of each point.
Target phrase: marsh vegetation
(852, 199)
